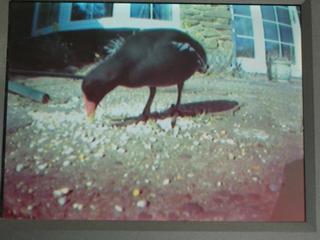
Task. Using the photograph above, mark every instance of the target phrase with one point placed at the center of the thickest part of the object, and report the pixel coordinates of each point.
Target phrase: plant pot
(279, 70)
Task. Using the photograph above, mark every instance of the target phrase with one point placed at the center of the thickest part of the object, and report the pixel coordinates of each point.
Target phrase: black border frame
(67, 229)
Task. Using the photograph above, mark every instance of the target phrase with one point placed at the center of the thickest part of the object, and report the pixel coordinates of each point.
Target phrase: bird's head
(92, 95)
(203, 68)
(90, 107)
(203, 65)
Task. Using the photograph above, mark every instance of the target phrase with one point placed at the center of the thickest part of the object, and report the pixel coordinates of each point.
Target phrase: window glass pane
(162, 11)
(243, 26)
(283, 15)
(81, 11)
(270, 31)
(272, 49)
(102, 10)
(85, 11)
(245, 47)
(268, 13)
(48, 14)
(242, 10)
(286, 34)
(288, 52)
(140, 10)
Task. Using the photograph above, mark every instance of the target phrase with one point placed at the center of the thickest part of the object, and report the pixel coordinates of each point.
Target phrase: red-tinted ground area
(210, 166)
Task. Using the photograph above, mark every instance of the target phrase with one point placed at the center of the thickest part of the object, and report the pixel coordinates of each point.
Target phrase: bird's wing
(114, 45)
(164, 64)
(186, 47)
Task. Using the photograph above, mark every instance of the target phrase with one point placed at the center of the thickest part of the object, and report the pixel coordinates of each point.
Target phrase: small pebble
(142, 203)
(19, 167)
(88, 184)
(231, 156)
(66, 163)
(121, 150)
(146, 181)
(42, 166)
(118, 208)
(81, 157)
(190, 175)
(77, 206)
(166, 181)
(196, 143)
(60, 192)
(153, 139)
(230, 141)
(255, 178)
(147, 146)
(223, 132)
(68, 151)
(165, 124)
(62, 201)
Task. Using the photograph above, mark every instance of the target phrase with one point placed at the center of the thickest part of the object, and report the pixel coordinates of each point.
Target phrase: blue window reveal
(243, 31)
(87, 11)
(152, 11)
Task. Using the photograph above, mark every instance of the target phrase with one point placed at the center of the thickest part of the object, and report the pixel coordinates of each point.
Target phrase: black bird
(153, 58)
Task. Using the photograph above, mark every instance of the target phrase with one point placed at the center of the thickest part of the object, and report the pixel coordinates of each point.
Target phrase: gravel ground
(212, 165)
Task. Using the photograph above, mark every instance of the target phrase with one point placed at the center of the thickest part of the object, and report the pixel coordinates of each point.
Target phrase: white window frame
(120, 19)
(258, 63)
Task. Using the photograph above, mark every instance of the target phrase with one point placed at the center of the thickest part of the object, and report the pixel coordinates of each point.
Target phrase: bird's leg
(175, 109)
(146, 110)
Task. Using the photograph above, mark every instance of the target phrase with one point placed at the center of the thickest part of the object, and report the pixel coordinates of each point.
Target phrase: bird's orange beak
(90, 107)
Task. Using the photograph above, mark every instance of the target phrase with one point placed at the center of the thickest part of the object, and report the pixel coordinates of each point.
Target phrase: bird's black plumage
(153, 58)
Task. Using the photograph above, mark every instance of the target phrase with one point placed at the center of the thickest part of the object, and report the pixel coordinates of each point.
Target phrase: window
(152, 11)
(87, 11)
(243, 31)
(278, 32)
(48, 14)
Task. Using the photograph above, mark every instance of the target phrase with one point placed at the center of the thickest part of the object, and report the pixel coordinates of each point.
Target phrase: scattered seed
(136, 192)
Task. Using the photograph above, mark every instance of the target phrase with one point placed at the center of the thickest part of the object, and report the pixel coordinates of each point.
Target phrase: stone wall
(211, 26)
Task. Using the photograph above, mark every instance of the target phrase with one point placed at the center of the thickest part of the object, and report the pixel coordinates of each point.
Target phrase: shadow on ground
(185, 110)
